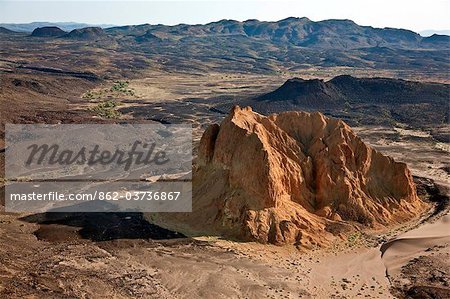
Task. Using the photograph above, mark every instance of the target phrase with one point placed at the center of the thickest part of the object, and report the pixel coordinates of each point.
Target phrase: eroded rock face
(295, 178)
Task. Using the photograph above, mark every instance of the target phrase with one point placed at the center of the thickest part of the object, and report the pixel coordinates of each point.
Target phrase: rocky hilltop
(50, 31)
(359, 101)
(294, 178)
(316, 93)
(88, 33)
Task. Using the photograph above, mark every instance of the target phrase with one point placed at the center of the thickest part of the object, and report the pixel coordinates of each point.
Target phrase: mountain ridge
(286, 46)
(303, 32)
(299, 31)
(66, 26)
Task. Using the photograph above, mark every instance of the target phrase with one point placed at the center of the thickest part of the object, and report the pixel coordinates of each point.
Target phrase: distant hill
(317, 93)
(431, 32)
(3, 30)
(134, 30)
(358, 100)
(66, 26)
(327, 34)
(303, 32)
(308, 93)
(148, 36)
(437, 40)
(50, 31)
(292, 44)
(288, 45)
(88, 33)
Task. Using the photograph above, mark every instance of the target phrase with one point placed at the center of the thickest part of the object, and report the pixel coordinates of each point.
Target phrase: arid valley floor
(79, 256)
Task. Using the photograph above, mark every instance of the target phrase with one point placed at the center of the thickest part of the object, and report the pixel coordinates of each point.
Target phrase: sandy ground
(120, 256)
(63, 259)
(68, 267)
(181, 268)
(417, 261)
(348, 272)
(400, 250)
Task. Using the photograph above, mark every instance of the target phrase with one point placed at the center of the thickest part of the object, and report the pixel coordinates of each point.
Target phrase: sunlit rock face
(293, 178)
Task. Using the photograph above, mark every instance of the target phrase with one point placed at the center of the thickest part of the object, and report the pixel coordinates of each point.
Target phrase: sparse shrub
(117, 87)
(122, 86)
(89, 95)
(354, 238)
(107, 109)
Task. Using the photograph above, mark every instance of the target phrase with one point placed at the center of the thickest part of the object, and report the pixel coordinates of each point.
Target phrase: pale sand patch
(413, 133)
(350, 273)
(398, 251)
(443, 146)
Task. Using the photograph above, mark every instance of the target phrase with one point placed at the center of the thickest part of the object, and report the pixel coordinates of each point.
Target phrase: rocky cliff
(294, 178)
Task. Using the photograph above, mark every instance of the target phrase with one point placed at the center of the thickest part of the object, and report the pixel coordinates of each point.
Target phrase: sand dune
(398, 251)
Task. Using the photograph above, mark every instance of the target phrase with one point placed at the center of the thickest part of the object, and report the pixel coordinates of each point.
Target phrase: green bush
(107, 109)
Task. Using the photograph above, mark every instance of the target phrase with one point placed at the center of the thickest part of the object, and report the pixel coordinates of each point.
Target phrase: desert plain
(127, 256)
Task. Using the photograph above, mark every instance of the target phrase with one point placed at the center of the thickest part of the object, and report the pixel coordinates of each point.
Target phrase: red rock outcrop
(294, 178)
